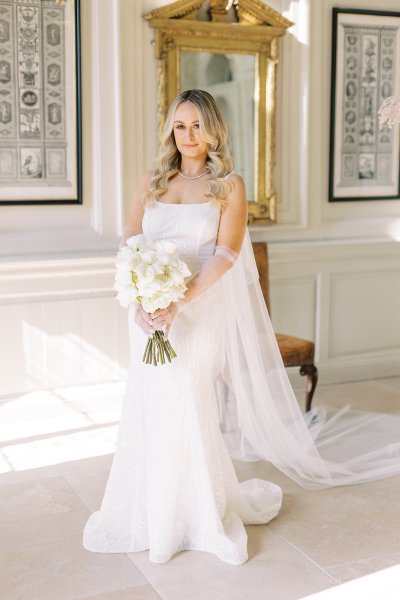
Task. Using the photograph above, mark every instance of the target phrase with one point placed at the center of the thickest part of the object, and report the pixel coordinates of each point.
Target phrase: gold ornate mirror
(230, 49)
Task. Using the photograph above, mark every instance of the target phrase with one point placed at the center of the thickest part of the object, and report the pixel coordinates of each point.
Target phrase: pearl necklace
(196, 176)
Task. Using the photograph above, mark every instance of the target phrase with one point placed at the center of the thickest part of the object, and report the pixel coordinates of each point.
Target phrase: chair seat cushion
(295, 351)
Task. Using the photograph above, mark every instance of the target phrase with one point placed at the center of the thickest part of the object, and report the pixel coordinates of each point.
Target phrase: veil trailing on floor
(259, 414)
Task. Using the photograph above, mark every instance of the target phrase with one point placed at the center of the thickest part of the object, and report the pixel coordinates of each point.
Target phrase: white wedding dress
(172, 484)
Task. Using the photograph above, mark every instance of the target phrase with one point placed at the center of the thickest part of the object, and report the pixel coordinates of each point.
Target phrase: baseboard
(353, 369)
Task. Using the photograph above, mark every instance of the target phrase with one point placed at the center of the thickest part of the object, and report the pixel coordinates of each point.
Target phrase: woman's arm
(133, 224)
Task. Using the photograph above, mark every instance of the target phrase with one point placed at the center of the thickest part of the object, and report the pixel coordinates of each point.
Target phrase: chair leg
(312, 377)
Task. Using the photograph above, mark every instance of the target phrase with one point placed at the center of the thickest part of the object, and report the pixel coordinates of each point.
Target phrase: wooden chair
(295, 351)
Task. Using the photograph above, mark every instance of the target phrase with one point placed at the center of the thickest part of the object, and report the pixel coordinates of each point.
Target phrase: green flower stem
(159, 359)
(161, 350)
(149, 353)
(148, 356)
(158, 349)
(146, 352)
(170, 348)
(167, 352)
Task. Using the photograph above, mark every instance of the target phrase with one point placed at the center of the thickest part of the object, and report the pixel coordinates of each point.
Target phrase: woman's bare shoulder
(237, 194)
(236, 179)
(143, 184)
(146, 178)
(140, 191)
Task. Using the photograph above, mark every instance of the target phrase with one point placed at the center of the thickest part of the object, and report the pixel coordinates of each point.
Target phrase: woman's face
(187, 131)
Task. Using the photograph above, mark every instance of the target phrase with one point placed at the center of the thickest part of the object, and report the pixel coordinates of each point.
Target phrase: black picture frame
(364, 160)
(52, 191)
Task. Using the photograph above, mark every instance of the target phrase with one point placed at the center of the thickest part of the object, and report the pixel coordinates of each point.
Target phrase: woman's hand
(144, 320)
(162, 318)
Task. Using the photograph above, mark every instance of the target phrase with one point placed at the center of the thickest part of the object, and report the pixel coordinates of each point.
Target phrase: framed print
(364, 158)
(40, 102)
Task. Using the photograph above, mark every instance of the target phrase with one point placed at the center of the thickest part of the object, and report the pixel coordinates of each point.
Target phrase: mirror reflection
(230, 78)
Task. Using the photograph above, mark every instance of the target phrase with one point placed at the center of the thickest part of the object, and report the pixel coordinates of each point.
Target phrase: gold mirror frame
(241, 27)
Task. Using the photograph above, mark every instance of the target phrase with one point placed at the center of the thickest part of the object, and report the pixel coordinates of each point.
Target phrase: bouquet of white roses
(154, 277)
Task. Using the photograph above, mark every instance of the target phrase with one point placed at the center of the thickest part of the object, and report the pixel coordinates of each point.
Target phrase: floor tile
(393, 381)
(90, 398)
(142, 592)
(319, 538)
(36, 414)
(38, 497)
(27, 475)
(43, 558)
(387, 489)
(358, 568)
(274, 571)
(88, 478)
(344, 530)
(60, 448)
(339, 525)
(375, 395)
(381, 585)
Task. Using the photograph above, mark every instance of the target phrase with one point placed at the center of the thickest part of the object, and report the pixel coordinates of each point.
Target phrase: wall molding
(372, 366)
(296, 270)
(61, 279)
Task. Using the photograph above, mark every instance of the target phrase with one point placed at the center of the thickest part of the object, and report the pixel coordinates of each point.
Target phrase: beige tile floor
(56, 450)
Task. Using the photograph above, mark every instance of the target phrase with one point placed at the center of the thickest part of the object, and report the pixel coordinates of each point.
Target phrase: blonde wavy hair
(213, 130)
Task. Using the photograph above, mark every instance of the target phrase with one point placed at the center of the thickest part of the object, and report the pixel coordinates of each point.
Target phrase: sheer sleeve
(212, 270)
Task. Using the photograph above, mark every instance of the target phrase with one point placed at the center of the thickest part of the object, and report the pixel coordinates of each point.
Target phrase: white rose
(123, 278)
(166, 246)
(126, 296)
(118, 287)
(184, 269)
(164, 258)
(176, 278)
(145, 273)
(147, 257)
(149, 288)
(176, 297)
(158, 267)
(155, 302)
(124, 259)
(174, 262)
(137, 242)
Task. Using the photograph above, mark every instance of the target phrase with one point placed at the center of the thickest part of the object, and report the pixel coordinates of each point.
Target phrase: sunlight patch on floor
(383, 585)
(50, 427)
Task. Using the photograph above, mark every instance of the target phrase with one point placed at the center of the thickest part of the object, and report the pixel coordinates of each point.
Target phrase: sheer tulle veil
(260, 417)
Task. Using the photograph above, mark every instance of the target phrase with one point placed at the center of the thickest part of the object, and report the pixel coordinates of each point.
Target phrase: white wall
(334, 267)
(59, 322)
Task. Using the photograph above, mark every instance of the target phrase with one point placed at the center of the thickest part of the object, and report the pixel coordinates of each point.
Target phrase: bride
(172, 484)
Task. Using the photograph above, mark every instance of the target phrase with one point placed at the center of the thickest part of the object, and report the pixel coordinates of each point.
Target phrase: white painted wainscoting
(346, 297)
(61, 324)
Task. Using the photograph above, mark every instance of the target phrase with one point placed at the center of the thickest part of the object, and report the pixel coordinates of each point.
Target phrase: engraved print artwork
(366, 152)
(39, 111)
(364, 158)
